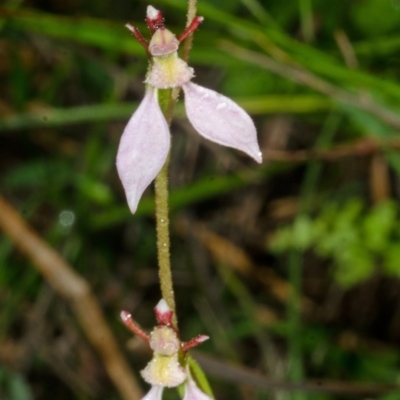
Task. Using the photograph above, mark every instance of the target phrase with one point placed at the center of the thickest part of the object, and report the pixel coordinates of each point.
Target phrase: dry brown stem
(379, 179)
(363, 147)
(346, 49)
(228, 254)
(72, 287)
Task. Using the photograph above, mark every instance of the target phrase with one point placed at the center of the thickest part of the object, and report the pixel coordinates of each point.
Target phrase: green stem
(163, 241)
(296, 373)
(167, 100)
(306, 19)
(162, 215)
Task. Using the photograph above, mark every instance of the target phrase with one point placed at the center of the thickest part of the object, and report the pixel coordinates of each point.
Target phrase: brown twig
(379, 179)
(304, 77)
(226, 253)
(71, 286)
(363, 147)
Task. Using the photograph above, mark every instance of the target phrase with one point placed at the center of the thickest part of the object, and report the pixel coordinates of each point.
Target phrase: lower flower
(192, 391)
(155, 393)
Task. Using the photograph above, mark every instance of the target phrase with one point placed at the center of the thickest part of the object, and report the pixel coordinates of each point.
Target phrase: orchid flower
(165, 369)
(145, 142)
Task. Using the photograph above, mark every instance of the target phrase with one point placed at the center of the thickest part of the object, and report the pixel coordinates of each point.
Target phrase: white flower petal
(155, 393)
(221, 120)
(143, 148)
(192, 392)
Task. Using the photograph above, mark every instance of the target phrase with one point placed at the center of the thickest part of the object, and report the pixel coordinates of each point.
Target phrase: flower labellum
(164, 371)
(145, 141)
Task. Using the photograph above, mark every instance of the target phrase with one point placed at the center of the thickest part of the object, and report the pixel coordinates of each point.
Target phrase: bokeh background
(291, 267)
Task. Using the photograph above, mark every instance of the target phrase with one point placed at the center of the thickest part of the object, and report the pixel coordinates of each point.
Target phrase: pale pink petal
(143, 148)
(221, 120)
(192, 392)
(155, 393)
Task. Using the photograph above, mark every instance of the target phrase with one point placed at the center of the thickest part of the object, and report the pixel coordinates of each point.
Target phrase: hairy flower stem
(163, 243)
(162, 217)
(167, 99)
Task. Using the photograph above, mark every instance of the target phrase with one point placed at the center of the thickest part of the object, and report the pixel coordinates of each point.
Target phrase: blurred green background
(291, 267)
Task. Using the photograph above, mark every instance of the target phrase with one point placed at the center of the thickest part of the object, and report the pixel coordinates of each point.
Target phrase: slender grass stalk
(306, 18)
(296, 371)
(191, 14)
(295, 259)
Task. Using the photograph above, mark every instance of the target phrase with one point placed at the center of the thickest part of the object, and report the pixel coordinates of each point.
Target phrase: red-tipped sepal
(194, 342)
(196, 21)
(130, 324)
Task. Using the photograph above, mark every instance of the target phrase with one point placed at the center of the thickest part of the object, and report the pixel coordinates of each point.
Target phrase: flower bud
(152, 13)
(163, 313)
(154, 19)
